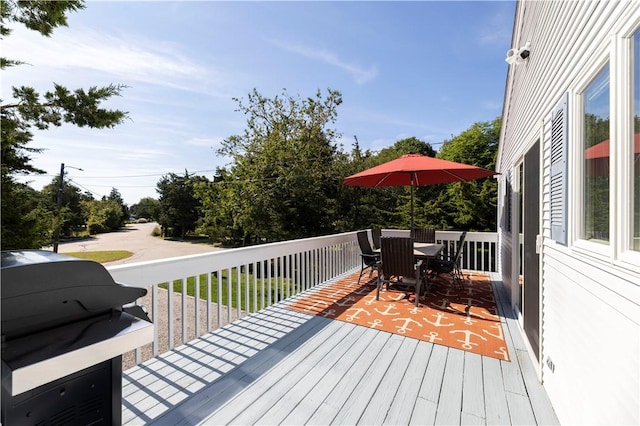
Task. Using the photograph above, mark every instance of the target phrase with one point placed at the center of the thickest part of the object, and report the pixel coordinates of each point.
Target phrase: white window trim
(623, 46)
(617, 52)
(576, 163)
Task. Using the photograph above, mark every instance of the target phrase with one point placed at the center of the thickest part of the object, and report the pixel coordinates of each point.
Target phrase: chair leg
(458, 276)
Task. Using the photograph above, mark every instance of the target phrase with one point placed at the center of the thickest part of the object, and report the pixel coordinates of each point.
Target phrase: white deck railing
(240, 281)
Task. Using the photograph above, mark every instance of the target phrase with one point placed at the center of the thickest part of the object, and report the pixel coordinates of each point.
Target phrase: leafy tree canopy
(148, 208)
(282, 183)
(28, 109)
(179, 207)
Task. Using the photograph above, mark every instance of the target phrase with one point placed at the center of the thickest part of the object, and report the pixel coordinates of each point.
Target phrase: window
(635, 141)
(596, 177)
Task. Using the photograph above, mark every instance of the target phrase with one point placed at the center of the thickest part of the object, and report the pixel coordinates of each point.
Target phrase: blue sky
(427, 69)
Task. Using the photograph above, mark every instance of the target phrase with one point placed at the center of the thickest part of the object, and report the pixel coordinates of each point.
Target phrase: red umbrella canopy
(416, 170)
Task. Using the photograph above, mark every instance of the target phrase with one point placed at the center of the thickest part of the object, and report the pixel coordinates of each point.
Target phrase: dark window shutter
(509, 201)
(559, 125)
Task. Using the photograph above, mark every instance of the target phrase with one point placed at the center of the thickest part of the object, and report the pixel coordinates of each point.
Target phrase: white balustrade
(259, 276)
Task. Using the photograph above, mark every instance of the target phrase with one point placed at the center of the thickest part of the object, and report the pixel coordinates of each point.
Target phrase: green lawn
(278, 286)
(100, 256)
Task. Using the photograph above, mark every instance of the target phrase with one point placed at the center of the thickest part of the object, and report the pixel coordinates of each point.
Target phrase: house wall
(590, 298)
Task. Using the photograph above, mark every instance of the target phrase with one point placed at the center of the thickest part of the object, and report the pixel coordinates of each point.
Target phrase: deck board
(380, 403)
(336, 380)
(401, 412)
(450, 401)
(312, 381)
(356, 403)
(280, 366)
(248, 407)
(328, 409)
(472, 388)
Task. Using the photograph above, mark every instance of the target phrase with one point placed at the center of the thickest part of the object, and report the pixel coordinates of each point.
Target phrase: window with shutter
(558, 188)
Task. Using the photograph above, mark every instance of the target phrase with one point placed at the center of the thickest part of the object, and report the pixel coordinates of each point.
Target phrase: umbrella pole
(411, 229)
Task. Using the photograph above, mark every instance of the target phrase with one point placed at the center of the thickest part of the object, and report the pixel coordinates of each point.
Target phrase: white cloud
(205, 142)
(125, 57)
(360, 75)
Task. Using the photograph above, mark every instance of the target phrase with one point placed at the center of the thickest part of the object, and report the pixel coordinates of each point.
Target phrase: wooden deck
(285, 367)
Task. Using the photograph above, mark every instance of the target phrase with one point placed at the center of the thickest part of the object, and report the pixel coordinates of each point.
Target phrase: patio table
(427, 250)
(424, 251)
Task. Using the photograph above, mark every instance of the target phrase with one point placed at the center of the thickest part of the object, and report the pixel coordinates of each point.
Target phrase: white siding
(592, 336)
(590, 304)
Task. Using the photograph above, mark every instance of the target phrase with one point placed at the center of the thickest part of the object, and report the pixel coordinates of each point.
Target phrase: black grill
(65, 325)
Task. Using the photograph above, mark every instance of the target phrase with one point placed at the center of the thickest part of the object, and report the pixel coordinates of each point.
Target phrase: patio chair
(450, 266)
(370, 259)
(397, 265)
(376, 233)
(424, 235)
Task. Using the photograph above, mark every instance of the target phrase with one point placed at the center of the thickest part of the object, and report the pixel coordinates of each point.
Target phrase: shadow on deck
(280, 366)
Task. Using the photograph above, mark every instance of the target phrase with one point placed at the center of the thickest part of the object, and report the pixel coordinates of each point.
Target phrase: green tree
(283, 183)
(469, 205)
(388, 206)
(179, 207)
(148, 208)
(115, 196)
(104, 215)
(72, 215)
(28, 109)
(218, 215)
(27, 222)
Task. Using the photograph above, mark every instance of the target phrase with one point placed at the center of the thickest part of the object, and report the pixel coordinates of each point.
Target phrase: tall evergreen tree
(28, 109)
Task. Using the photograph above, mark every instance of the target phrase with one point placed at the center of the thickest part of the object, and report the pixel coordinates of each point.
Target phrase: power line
(86, 189)
(123, 176)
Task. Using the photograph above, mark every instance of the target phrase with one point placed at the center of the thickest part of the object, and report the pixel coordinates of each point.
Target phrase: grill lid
(42, 289)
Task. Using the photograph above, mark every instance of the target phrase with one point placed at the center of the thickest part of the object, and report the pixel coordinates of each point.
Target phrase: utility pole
(56, 232)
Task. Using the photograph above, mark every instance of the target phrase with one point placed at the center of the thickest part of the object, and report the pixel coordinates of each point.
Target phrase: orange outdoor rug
(463, 319)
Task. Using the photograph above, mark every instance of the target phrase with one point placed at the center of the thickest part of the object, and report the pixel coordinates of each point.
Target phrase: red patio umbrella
(597, 156)
(416, 170)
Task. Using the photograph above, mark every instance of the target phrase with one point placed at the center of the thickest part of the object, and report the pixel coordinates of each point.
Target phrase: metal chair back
(398, 263)
(376, 233)
(363, 242)
(397, 258)
(424, 235)
(369, 257)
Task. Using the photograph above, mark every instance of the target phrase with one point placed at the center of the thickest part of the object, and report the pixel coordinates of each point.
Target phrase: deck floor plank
(495, 401)
(357, 402)
(273, 386)
(520, 409)
(472, 387)
(313, 394)
(450, 401)
(405, 399)
(432, 382)
(327, 411)
(315, 380)
(281, 366)
(382, 398)
(424, 412)
(200, 405)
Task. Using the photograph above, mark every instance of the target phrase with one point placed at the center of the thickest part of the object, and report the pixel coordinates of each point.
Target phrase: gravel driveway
(137, 239)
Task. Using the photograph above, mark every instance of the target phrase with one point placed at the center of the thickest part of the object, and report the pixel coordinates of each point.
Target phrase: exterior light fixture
(517, 56)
